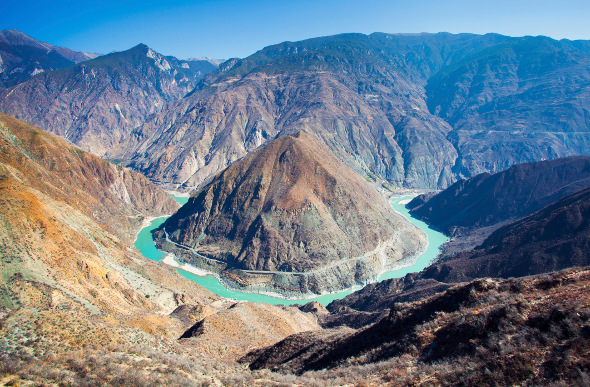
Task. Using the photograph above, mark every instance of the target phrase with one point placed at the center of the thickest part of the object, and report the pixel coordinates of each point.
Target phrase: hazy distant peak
(24, 57)
(213, 61)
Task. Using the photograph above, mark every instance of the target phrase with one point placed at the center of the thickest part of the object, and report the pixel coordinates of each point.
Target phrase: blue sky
(229, 28)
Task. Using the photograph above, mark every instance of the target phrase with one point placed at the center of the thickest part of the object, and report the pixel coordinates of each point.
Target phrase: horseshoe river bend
(145, 244)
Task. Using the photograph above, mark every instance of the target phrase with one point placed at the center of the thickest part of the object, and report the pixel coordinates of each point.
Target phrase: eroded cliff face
(292, 207)
(361, 95)
(67, 219)
(519, 101)
(419, 111)
(112, 195)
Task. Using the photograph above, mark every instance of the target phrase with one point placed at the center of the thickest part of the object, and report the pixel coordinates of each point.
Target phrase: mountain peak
(140, 48)
(16, 37)
(293, 207)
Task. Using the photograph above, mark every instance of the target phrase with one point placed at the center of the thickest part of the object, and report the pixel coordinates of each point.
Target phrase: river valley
(145, 244)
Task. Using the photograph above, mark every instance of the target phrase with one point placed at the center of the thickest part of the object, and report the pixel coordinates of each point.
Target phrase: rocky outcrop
(291, 216)
(22, 57)
(96, 104)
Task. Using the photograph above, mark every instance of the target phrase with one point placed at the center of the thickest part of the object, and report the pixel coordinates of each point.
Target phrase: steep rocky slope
(415, 110)
(384, 104)
(22, 57)
(470, 210)
(522, 100)
(292, 207)
(96, 104)
(488, 199)
(521, 331)
(78, 304)
(67, 219)
(553, 238)
(362, 95)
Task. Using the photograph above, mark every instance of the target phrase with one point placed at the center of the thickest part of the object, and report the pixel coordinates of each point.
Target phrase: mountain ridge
(471, 209)
(96, 104)
(22, 57)
(373, 99)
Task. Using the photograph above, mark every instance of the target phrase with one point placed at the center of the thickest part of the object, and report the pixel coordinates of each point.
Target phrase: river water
(145, 244)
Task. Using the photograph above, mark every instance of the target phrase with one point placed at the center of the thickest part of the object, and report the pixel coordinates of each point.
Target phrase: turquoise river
(145, 244)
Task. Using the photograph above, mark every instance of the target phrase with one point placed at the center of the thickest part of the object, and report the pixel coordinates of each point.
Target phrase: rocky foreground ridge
(532, 331)
(291, 207)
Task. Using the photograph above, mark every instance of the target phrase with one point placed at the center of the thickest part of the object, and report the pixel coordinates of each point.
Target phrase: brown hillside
(74, 290)
(294, 207)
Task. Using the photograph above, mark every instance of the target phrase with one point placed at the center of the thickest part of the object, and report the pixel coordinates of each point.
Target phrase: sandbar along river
(145, 244)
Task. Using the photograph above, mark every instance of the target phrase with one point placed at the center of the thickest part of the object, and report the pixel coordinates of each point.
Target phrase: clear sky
(231, 28)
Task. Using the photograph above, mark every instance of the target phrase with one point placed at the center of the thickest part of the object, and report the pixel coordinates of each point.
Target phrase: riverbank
(213, 282)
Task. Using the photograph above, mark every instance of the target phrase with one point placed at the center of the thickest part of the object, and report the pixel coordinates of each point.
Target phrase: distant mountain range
(97, 103)
(22, 57)
(387, 105)
(418, 111)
